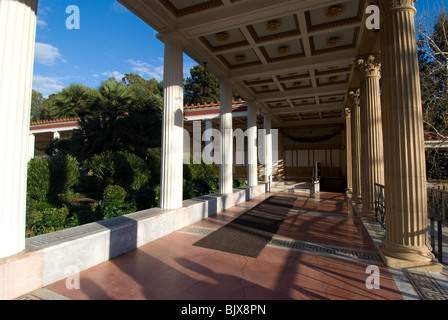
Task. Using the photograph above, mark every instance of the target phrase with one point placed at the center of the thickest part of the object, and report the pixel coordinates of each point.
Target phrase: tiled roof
(212, 104)
(187, 107)
(53, 121)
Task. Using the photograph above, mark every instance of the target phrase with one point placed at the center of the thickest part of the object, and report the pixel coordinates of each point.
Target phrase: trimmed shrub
(58, 146)
(114, 193)
(147, 197)
(114, 204)
(153, 162)
(200, 171)
(52, 219)
(119, 168)
(199, 187)
(238, 182)
(64, 174)
(200, 179)
(38, 183)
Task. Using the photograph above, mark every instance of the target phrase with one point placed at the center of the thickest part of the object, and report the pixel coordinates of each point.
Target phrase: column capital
(389, 5)
(369, 65)
(225, 81)
(354, 95)
(266, 115)
(348, 112)
(250, 102)
(172, 36)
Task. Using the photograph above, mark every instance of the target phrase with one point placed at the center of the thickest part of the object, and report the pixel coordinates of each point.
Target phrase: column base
(368, 214)
(356, 198)
(414, 259)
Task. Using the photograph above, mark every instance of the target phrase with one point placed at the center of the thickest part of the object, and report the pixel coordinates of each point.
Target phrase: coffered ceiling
(293, 57)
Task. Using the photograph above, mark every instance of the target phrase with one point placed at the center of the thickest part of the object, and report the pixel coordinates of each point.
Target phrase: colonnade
(386, 133)
(387, 142)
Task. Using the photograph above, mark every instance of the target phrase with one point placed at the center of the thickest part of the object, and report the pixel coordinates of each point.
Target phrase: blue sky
(110, 42)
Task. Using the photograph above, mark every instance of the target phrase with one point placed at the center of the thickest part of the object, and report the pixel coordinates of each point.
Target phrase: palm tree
(114, 99)
(73, 101)
(135, 133)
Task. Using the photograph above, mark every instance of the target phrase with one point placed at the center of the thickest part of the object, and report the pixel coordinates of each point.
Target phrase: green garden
(111, 165)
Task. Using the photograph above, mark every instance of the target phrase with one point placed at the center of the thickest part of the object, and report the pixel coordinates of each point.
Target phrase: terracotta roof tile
(211, 104)
(39, 122)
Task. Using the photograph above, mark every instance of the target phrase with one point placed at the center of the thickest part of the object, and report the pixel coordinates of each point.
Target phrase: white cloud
(47, 85)
(47, 54)
(113, 74)
(147, 70)
(41, 22)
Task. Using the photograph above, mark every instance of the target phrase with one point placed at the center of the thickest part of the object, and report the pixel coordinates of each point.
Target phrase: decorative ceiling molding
(285, 64)
(336, 23)
(191, 9)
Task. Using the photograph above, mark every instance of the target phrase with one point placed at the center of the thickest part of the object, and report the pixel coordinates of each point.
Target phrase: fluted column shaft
(356, 145)
(31, 146)
(17, 39)
(252, 163)
(226, 167)
(405, 175)
(372, 162)
(267, 123)
(171, 181)
(348, 149)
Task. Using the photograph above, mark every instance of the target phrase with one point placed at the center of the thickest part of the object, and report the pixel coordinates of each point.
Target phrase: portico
(302, 63)
(297, 64)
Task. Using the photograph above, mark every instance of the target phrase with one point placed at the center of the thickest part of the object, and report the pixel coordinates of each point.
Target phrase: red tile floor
(172, 268)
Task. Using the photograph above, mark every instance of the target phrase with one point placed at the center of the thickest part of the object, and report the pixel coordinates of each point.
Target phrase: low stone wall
(55, 256)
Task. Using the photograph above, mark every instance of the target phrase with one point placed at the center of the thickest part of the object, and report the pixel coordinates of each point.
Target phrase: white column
(252, 161)
(31, 146)
(226, 166)
(171, 181)
(17, 38)
(268, 150)
(207, 138)
(56, 135)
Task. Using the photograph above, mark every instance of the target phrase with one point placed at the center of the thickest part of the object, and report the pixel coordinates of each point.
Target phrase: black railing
(380, 208)
(437, 213)
(437, 207)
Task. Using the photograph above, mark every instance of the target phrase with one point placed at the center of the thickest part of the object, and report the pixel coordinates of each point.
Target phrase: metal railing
(380, 208)
(437, 211)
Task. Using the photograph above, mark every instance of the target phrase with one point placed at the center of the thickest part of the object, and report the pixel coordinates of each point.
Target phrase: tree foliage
(432, 32)
(76, 100)
(433, 54)
(111, 100)
(193, 85)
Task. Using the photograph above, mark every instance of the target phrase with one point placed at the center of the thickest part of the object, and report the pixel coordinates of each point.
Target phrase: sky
(109, 42)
